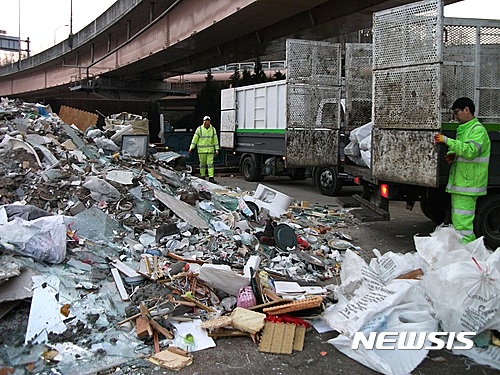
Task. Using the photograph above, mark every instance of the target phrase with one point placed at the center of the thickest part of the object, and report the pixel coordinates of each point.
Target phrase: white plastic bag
(43, 239)
(465, 295)
(406, 317)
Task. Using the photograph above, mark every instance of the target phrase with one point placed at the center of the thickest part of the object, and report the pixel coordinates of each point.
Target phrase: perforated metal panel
(471, 52)
(310, 106)
(313, 104)
(358, 84)
(311, 147)
(408, 98)
(408, 35)
(226, 139)
(407, 92)
(407, 157)
(228, 99)
(313, 62)
(228, 121)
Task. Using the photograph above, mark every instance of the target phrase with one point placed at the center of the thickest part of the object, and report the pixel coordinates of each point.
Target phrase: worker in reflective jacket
(205, 138)
(469, 155)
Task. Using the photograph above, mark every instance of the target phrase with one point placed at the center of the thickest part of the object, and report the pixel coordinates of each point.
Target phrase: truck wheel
(487, 220)
(434, 208)
(249, 170)
(298, 174)
(328, 181)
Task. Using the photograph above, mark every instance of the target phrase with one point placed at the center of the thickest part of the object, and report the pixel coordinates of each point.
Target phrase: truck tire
(298, 174)
(435, 208)
(328, 181)
(249, 170)
(487, 220)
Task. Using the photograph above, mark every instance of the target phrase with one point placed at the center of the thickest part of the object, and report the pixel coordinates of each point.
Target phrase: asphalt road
(395, 235)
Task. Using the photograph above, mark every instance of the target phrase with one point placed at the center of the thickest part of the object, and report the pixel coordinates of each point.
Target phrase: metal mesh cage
(358, 84)
(401, 35)
(471, 51)
(407, 98)
(310, 106)
(313, 62)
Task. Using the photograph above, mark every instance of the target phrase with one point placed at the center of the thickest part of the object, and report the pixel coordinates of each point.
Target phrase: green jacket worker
(469, 156)
(205, 139)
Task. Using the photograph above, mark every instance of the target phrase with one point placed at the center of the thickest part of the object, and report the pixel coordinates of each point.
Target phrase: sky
(43, 21)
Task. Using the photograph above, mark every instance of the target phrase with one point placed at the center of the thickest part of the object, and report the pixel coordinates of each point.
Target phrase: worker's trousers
(206, 162)
(463, 208)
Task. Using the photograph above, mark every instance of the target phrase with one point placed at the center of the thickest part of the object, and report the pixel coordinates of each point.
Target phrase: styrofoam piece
(265, 197)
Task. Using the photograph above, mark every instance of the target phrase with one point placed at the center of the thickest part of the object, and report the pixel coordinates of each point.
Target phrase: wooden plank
(146, 314)
(123, 268)
(119, 284)
(82, 119)
(142, 327)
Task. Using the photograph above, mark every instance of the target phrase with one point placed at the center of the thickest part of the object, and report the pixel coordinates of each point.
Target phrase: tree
(235, 78)
(259, 75)
(208, 101)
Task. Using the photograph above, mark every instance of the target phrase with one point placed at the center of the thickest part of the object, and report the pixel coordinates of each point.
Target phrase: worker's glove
(450, 158)
(216, 152)
(440, 138)
(190, 151)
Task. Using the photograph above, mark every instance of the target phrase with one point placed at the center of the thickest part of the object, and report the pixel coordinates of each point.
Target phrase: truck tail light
(384, 191)
(357, 180)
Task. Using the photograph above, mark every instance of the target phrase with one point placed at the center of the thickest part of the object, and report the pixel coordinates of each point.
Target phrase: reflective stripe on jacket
(205, 139)
(469, 171)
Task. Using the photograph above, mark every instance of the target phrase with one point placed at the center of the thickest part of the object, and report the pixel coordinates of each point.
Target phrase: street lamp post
(55, 32)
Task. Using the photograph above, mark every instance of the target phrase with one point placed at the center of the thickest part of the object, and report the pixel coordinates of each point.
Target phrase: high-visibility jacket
(469, 171)
(205, 139)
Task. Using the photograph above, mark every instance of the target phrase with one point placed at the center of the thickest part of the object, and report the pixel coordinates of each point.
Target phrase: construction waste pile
(125, 256)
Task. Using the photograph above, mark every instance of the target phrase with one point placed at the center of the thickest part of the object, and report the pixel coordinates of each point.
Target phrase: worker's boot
(211, 179)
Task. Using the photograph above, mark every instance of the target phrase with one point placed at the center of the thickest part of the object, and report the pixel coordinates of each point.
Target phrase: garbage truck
(422, 62)
(290, 127)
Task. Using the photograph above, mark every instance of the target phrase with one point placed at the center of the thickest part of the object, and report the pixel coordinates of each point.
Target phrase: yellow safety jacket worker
(205, 139)
(469, 171)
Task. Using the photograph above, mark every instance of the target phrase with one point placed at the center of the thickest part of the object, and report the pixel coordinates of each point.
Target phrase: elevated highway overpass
(128, 51)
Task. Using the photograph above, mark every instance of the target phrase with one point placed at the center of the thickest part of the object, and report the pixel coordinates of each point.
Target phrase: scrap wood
(277, 338)
(153, 313)
(198, 303)
(142, 327)
(281, 301)
(146, 314)
(304, 304)
(156, 341)
(82, 119)
(273, 296)
(179, 258)
(415, 274)
(247, 320)
(172, 358)
(219, 322)
(123, 268)
(119, 284)
(228, 333)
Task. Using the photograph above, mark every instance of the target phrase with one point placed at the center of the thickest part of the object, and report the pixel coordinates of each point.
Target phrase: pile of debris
(126, 255)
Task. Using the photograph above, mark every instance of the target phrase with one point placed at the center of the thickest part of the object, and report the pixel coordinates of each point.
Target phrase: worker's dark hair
(461, 103)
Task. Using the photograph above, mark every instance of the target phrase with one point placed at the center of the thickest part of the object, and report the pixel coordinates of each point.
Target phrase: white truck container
(289, 127)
